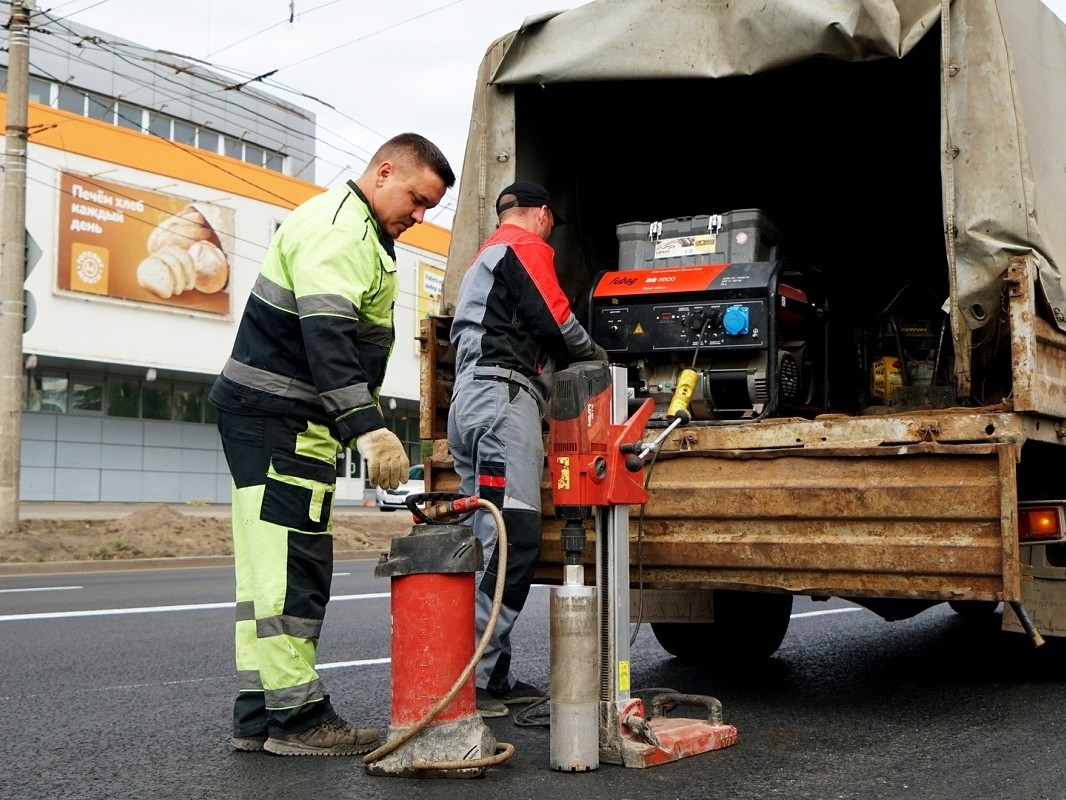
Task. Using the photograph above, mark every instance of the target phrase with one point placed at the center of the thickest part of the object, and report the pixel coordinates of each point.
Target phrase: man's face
(404, 193)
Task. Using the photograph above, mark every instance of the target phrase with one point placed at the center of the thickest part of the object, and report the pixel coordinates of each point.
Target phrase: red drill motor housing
(592, 462)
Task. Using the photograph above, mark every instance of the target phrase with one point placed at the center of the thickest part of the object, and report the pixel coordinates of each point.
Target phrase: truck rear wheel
(747, 627)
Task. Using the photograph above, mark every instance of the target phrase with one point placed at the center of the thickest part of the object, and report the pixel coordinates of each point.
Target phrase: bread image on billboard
(129, 243)
(184, 253)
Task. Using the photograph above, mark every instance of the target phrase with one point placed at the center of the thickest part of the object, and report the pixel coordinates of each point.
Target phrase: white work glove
(386, 458)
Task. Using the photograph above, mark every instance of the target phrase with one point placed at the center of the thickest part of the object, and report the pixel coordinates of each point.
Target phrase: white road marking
(823, 612)
(113, 612)
(366, 662)
(42, 589)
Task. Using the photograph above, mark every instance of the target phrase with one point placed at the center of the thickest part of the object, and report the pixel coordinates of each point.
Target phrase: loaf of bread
(185, 228)
(184, 253)
(179, 262)
(154, 275)
(210, 267)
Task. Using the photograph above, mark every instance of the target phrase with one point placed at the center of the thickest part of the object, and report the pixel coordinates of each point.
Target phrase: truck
(846, 218)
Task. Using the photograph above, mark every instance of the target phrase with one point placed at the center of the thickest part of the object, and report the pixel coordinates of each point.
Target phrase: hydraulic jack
(596, 467)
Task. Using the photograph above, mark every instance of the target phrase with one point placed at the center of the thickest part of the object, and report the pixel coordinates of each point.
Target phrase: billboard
(129, 243)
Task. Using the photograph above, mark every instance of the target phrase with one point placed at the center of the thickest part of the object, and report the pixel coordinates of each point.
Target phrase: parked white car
(392, 499)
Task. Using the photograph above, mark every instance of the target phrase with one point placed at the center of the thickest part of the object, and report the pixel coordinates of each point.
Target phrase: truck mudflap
(925, 520)
(1043, 595)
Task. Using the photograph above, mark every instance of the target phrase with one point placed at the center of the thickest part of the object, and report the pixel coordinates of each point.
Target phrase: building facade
(128, 325)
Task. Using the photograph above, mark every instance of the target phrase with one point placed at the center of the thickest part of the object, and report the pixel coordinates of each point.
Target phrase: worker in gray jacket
(511, 320)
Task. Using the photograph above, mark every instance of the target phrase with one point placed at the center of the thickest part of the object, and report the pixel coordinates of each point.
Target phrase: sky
(379, 67)
(368, 69)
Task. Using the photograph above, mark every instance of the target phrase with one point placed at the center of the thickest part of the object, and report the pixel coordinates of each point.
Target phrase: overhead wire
(190, 65)
(240, 114)
(41, 71)
(267, 28)
(108, 47)
(410, 297)
(287, 203)
(113, 48)
(358, 39)
(283, 87)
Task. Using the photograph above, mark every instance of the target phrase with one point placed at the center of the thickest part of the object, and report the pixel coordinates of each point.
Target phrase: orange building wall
(50, 127)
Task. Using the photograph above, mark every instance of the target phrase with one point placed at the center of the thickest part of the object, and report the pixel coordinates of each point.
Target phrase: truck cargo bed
(827, 521)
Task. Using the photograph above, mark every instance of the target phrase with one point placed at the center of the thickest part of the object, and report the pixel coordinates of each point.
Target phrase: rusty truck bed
(923, 508)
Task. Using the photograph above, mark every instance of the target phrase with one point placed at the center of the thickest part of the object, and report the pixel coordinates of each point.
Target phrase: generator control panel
(718, 306)
(709, 295)
(638, 329)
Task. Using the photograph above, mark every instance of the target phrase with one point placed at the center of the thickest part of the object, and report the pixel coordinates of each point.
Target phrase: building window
(39, 91)
(155, 400)
(87, 396)
(71, 99)
(184, 132)
(123, 398)
(188, 404)
(234, 148)
(101, 108)
(159, 125)
(254, 155)
(46, 393)
(61, 393)
(207, 140)
(129, 116)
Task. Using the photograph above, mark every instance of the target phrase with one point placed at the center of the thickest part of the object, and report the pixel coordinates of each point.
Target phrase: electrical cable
(640, 518)
(256, 262)
(151, 57)
(237, 113)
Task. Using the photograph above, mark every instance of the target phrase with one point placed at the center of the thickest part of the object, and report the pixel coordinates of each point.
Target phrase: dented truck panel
(1038, 349)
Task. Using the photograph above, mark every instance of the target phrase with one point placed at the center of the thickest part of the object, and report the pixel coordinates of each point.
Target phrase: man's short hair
(421, 148)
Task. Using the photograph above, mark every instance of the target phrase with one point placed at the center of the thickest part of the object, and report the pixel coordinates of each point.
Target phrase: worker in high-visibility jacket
(302, 382)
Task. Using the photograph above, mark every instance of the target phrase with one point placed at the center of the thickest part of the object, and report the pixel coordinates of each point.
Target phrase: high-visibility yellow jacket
(317, 331)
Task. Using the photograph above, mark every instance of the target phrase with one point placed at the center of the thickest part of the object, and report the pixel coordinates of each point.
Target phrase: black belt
(514, 387)
(503, 374)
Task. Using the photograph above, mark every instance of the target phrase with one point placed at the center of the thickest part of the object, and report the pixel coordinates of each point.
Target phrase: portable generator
(707, 295)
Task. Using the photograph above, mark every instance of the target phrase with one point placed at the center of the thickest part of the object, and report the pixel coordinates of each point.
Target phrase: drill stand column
(627, 735)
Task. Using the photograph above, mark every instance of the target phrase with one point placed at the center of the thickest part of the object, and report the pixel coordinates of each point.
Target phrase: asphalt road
(119, 685)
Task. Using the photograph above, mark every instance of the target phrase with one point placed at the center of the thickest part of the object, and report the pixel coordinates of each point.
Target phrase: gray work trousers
(494, 433)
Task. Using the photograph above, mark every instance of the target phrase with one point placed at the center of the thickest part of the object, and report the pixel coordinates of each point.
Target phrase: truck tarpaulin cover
(1002, 113)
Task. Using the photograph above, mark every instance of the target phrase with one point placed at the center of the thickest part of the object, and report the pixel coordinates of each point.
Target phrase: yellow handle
(686, 384)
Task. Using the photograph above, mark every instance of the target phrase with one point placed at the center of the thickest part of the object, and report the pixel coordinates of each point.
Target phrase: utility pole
(12, 262)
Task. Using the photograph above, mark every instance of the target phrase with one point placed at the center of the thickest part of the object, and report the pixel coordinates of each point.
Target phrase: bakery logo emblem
(88, 268)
